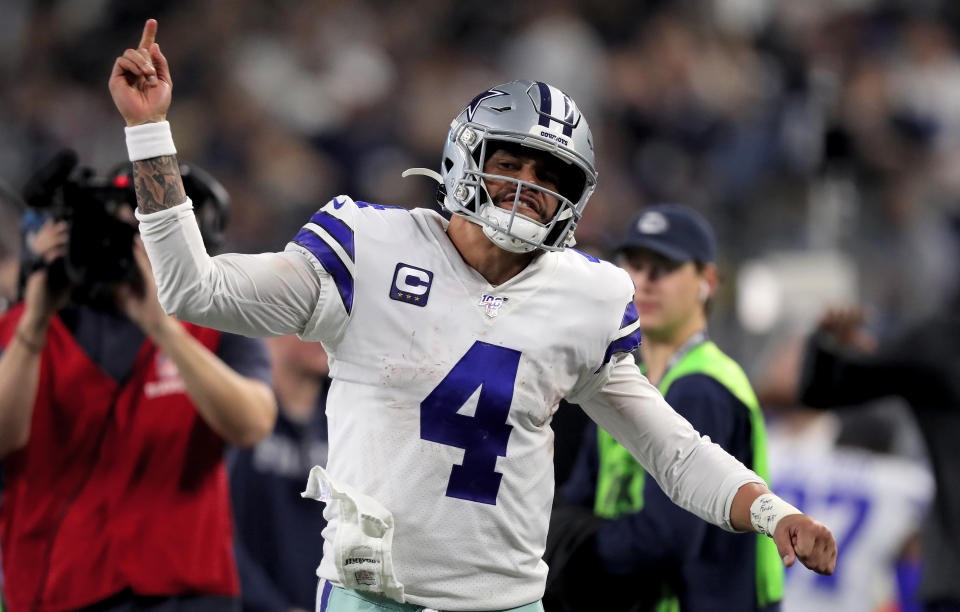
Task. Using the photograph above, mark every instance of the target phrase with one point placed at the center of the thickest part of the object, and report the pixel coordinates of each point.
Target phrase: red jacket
(118, 487)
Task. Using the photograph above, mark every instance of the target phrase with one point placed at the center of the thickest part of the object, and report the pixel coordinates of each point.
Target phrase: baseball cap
(677, 232)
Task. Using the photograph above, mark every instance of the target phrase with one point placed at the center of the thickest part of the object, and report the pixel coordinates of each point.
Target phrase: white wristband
(766, 512)
(149, 140)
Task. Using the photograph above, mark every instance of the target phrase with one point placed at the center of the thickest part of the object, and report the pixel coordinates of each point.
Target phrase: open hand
(800, 537)
(140, 81)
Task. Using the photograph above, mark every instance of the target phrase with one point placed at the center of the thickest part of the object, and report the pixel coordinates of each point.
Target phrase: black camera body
(99, 211)
(100, 242)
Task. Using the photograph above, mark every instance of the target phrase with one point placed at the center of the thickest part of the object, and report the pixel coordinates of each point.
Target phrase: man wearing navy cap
(664, 553)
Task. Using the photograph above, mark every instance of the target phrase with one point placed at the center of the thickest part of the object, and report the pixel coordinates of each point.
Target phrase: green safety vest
(620, 479)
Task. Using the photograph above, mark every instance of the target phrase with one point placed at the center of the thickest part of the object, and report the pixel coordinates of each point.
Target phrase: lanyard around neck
(693, 342)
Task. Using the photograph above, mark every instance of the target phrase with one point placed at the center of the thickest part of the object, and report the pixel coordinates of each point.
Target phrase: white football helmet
(531, 114)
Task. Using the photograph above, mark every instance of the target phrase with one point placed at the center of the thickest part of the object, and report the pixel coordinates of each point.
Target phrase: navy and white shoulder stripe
(331, 241)
(330, 236)
(628, 337)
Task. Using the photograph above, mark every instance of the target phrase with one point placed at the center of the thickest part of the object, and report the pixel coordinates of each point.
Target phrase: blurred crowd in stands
(821, 125)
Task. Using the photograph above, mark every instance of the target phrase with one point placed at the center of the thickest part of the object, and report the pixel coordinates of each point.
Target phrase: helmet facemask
(517, 115)
(506, 226)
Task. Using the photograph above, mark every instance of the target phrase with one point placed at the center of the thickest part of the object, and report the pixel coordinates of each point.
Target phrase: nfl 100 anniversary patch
(411, 284)
(491, 304)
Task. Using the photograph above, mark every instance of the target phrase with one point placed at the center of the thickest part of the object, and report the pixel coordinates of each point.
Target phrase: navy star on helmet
(480, 97)
(531, 114)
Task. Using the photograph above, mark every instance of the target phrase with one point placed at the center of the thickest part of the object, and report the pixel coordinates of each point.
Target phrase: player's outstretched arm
(141, 88)
(695, 473)
(797, 535)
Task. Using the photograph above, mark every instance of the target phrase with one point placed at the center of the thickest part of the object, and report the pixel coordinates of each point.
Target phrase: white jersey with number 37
(443, 391)
(872, 502)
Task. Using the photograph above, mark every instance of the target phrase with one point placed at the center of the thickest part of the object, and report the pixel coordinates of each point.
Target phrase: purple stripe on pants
(325, 595)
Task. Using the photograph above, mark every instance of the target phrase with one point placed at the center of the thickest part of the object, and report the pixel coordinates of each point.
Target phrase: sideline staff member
(669, 253)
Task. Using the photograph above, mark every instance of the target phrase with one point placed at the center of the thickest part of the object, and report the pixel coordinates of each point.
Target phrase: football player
(450, 345)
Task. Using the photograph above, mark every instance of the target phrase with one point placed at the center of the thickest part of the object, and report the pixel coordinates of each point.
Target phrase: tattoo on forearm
(158, 184)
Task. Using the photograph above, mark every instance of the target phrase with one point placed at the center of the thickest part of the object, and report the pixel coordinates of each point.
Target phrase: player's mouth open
(527, 205)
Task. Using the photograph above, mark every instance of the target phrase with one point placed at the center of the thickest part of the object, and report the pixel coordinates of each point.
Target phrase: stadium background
(821, 138)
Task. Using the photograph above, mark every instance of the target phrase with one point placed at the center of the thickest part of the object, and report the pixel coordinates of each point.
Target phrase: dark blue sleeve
(246, 356)
(663, 534)
(833, 378)
(581, 486)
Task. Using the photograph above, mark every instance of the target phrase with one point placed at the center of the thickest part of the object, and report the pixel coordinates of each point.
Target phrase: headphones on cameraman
(211, 202)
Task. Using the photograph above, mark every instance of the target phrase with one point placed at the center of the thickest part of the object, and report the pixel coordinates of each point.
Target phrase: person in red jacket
(114, 418)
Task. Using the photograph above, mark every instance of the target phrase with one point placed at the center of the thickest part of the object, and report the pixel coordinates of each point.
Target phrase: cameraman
(113, 421)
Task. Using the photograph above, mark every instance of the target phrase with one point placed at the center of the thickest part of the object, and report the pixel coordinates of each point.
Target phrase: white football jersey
(872, 503)
(443, 390)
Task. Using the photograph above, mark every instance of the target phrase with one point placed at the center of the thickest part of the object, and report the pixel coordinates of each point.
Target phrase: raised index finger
(149, 34)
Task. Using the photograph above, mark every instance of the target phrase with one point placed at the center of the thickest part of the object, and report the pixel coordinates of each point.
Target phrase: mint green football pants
(331, 598)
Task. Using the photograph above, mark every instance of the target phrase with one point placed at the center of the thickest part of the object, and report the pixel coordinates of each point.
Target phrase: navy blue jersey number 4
(483, 436)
